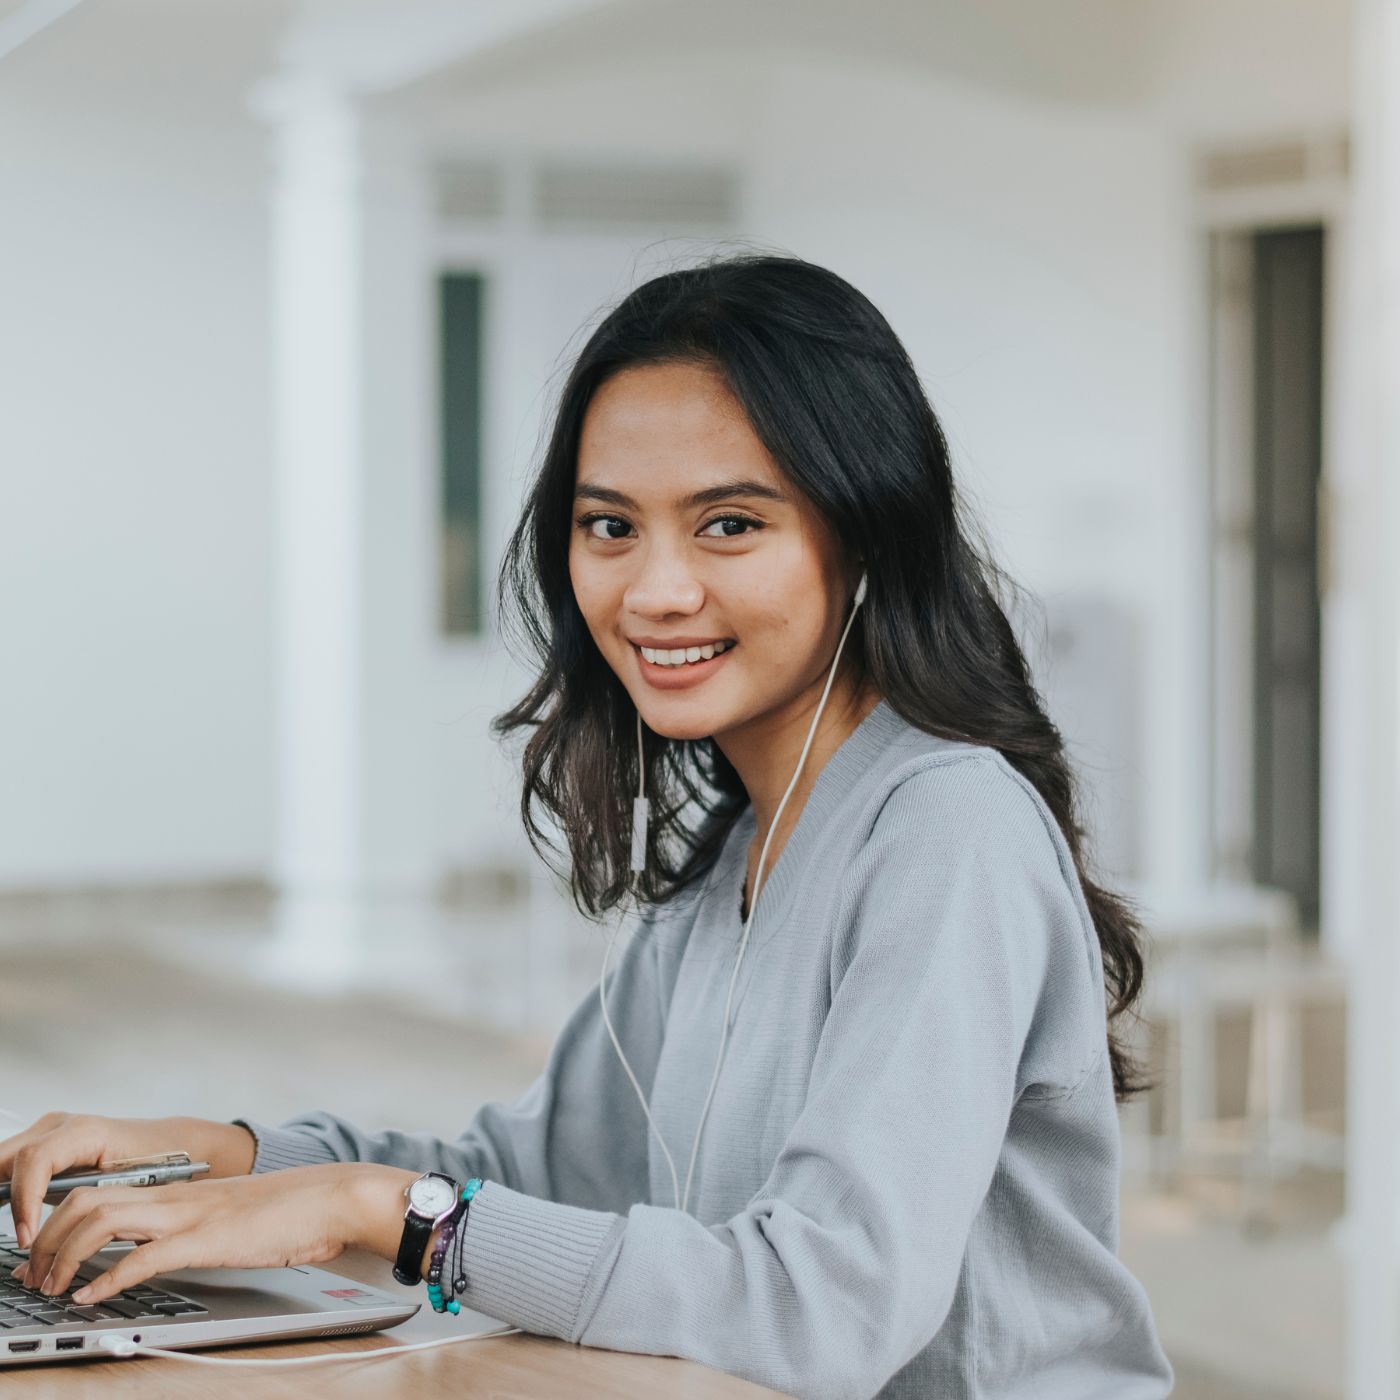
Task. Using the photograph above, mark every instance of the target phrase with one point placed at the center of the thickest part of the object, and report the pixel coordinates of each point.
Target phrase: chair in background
(1214, 949)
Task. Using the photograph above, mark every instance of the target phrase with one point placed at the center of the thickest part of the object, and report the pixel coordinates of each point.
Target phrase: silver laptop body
(188, 1308)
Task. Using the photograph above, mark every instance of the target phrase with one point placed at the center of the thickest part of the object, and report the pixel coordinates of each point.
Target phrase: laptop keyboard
(27, 1307)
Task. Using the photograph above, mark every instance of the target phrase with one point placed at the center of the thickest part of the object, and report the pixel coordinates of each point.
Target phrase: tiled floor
(171, 1015)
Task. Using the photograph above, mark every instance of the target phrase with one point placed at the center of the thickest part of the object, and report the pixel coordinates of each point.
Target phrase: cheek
(594, 592)
(790, 600)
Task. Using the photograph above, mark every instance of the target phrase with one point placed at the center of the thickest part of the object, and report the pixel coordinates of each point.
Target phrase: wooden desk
(505, 1368)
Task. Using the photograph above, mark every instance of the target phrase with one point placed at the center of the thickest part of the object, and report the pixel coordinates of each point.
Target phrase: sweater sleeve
(845, 1262)
(547, 1142)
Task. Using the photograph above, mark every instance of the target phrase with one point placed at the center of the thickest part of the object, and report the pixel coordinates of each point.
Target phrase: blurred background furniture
(1212, 950)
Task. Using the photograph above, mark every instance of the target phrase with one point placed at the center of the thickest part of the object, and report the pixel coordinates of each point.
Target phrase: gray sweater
(908, 1181)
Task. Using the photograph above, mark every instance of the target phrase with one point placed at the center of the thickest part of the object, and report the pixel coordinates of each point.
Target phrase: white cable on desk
(124, 1346)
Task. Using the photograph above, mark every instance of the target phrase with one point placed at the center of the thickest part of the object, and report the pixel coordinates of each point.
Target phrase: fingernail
(18, 1271)
(47, 1285)
(82, 1295)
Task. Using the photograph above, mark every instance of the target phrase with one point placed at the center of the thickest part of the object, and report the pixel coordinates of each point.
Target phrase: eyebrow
(724, 491)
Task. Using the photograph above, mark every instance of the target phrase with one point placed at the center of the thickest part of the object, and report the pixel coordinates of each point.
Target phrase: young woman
(873, 1147)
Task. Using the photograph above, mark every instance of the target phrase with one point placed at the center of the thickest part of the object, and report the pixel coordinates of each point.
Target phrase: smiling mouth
(684, 656)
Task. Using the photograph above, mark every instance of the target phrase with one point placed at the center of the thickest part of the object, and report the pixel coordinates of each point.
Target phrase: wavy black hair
(833, 396)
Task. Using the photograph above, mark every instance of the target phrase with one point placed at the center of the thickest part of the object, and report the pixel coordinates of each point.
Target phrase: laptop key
(90, 1314)
(124, 1307)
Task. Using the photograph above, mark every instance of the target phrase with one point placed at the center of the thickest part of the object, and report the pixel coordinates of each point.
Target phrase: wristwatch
(431, 1199)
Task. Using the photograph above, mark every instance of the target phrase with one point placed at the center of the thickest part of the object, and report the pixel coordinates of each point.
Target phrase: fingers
(290, 1217)
(10, 1145)
(89, 1219)
(10, 1148)
(136, 1266)
(69, 1142)
(37, 1271)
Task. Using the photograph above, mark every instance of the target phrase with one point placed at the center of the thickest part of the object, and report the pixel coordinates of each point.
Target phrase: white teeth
(682, 656)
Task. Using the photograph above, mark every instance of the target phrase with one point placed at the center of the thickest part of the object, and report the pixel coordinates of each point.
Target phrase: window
(460, 305)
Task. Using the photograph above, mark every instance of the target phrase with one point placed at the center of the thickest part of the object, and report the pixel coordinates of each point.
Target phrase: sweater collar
(854, 757)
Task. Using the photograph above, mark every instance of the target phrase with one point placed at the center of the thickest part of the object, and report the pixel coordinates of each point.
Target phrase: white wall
(134, 604)
(1234, 68)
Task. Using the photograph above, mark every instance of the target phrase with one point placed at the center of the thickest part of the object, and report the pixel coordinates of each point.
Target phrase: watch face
(432, 1196)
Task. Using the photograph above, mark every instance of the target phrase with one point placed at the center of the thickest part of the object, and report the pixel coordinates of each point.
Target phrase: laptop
(186, 1309)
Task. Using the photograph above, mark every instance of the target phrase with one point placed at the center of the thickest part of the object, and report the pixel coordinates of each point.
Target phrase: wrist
(373, 1205)
(229, 1149)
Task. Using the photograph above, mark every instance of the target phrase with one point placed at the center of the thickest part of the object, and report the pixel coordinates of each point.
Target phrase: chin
(681, 717)
(680, 728)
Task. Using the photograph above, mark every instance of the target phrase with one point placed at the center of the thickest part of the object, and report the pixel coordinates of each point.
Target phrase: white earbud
(639, 821)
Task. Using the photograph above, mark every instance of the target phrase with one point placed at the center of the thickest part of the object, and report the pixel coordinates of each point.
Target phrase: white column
(355, 546)
(1372, 358)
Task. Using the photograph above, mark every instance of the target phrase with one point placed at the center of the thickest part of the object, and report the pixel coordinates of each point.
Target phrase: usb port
(26, 1346)
(69, 1344)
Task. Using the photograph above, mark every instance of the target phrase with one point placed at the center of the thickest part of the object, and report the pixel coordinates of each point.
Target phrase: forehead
(668, 424)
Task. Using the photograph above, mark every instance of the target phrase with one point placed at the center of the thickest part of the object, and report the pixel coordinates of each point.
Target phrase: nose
(664, 585)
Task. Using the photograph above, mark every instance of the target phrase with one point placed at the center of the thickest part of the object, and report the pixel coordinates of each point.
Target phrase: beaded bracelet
(445, 1232)
(452, 1229)
(458, 1275)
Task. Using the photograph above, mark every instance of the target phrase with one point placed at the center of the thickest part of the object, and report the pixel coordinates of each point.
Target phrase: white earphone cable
(682, 1201)
(753, 900)
(641, 1097)
(124, 1346)
(639, 824)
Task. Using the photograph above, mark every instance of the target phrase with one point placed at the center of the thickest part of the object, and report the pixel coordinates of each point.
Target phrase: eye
(743, 521)
(587, 522)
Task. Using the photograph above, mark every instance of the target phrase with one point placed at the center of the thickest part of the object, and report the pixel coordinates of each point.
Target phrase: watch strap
(417, 1231)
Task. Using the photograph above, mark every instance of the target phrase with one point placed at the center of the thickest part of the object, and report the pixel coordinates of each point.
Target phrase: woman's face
(686, 540)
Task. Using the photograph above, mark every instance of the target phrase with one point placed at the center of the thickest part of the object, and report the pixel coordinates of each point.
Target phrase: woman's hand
(59, 1142)
(301, 1215)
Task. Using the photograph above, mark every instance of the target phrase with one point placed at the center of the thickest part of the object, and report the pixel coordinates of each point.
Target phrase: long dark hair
(834, 398)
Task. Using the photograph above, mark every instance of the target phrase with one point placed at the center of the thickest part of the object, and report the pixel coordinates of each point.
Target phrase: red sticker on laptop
(355, 1297)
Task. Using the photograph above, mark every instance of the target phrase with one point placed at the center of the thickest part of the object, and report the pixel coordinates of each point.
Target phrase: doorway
(1267, 433)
